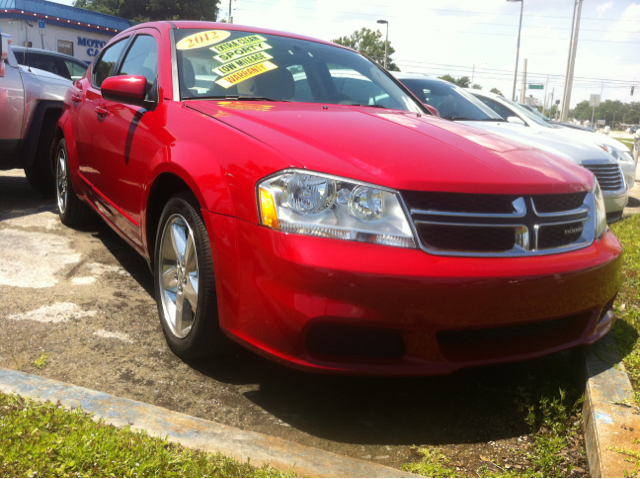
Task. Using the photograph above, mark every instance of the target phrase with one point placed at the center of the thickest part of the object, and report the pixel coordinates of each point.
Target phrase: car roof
(47, 52)
(186, 24)
(488, 94)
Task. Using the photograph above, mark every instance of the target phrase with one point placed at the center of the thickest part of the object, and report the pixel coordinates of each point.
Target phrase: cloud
(600, 9)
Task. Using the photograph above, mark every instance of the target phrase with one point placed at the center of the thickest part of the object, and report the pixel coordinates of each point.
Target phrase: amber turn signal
(268, 210)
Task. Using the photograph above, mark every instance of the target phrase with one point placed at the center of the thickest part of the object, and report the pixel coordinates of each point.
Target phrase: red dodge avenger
(291, 196)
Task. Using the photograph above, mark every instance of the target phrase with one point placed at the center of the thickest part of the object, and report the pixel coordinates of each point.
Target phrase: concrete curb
(608, 421)
(193, 432)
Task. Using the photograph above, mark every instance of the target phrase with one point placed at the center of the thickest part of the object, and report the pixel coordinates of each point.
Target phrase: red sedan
(290, 195)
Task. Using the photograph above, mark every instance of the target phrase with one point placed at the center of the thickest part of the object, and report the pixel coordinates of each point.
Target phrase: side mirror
(129, 89)
(515, 119)
(432, 109)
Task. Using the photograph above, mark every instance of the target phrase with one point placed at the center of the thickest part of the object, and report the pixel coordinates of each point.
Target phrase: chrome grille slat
(609, 176)
(562, 223)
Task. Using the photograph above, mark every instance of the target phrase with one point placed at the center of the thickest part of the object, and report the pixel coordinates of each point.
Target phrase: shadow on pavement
(469, 406)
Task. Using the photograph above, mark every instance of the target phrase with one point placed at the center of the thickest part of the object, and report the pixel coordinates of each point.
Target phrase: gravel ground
(85, 299)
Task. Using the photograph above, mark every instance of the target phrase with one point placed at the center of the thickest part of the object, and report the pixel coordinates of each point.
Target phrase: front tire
(72, 211)
(184, 282)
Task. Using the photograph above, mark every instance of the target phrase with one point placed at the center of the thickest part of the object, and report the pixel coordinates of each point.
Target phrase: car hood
(549, 140)
(397, 149)
(580, 135)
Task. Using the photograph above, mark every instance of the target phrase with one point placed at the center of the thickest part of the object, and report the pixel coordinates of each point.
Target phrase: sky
(460, 36)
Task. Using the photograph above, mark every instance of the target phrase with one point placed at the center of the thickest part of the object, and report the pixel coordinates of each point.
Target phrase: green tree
(613, 112)
(496, 91)
(464, 82)
(476, 86)
(149, 10)
(371, 44)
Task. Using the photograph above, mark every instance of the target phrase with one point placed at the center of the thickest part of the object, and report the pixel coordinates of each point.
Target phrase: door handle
(101, 111)
(75, 97)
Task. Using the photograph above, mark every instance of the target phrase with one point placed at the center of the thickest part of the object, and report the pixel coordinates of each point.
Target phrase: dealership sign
(94, 45)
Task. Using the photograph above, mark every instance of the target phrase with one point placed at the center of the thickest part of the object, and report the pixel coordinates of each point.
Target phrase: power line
(464, 12)
(509, 73)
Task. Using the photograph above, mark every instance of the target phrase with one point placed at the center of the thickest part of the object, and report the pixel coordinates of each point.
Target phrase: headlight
(600, 213)
(314, 204)
(616, 152)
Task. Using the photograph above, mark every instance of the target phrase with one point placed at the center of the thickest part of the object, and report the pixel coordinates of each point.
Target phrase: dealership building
(52, 26)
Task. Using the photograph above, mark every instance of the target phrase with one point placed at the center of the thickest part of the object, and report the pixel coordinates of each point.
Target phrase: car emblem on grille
(577, 229)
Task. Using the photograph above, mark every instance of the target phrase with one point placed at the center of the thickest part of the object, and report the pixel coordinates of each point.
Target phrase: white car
(455, 103)
(517, 114)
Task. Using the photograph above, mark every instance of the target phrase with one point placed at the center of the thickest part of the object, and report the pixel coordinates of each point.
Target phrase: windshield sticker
(242, 52)
(238, 43)
(245, 74)
(202, 39)
(241, 63)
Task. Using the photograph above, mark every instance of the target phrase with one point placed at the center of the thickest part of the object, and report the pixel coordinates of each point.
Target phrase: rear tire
(73, 212)
(184, 282)
(41, 175)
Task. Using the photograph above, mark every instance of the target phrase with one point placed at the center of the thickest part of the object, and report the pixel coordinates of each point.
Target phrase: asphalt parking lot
(85, 299)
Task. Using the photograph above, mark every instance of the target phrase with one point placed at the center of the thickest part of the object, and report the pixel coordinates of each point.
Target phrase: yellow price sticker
(202, 39)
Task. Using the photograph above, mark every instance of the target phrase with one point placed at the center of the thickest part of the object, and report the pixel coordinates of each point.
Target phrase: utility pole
(523, 93)
(386, 42)
(230, 17)
(515, 74)
(568, 84)
(553, 91)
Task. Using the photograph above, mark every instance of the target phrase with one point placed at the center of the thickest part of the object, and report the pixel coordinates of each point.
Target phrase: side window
(142, 59)
(75, 70)
(497, 107)
(104, 67)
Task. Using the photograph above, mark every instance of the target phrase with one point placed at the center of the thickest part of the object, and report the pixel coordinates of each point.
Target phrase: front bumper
(615, 202)
(275, 290)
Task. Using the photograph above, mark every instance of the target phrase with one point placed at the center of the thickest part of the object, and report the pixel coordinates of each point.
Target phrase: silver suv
(30, 106)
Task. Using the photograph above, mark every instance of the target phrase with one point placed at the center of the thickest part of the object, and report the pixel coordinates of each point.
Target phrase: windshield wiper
(235, 98)
(361, 104)
(464, 118)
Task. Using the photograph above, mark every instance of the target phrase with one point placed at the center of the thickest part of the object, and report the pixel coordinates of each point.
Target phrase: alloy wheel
(178, 275)
(61, 180)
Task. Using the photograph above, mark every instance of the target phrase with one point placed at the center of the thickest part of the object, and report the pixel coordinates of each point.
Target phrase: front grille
(480, 238)
(555, 236)
(556, 203)
(609, 176)
(459, 202)
(500, 225)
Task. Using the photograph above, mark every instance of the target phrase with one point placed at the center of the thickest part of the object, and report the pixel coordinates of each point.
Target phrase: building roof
(64, 14)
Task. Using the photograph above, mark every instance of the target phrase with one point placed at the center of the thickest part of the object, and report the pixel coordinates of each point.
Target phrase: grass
(555, 422)
(627, 305)
(45, 440)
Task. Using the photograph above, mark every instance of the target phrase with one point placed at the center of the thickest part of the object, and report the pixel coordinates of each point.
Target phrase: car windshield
(221, 64)
(526, 113)
(535, 111)
(451, 101)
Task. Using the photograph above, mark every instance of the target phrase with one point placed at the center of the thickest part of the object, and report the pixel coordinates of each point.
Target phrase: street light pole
(515, 74)
(473, 69)
(386, 42)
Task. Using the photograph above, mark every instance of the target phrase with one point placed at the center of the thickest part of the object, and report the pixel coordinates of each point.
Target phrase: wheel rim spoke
(179, 241)
(191, 293)
(169, 278)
